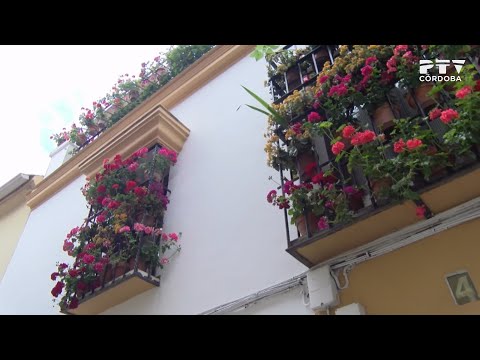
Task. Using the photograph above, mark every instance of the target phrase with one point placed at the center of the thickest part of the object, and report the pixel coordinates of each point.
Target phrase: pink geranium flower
(138, 227)
(420, 211)
(314, 117)
(322, 223)
(448, 115)
(338, 147)
(412, 144)
(88, 259)
(460, 94)
(435, 113)
(123, 229)
(399, 146)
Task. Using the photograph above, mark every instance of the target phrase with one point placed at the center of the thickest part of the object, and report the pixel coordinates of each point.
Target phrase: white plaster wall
(233, 240)
(289, 303)
(59, 156)
(26, 285)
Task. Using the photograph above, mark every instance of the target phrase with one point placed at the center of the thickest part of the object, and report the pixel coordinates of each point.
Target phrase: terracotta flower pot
(81, 139)
(142, 265)
(157, 75)
(355, 203)
(107, 275)
(111, 110)
(132, 95)
(81, 293)
(120, 269)
(423, 99)
(321, 55)
(302, 224)
(145, 218)
(438, 171)
(293, 78)
(93, 130)
(383, 116)
(379, 186)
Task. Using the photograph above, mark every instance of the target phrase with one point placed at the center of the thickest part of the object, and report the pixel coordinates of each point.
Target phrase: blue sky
(43, 89)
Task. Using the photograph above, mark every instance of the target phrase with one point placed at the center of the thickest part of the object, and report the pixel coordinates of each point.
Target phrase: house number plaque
(461, 287)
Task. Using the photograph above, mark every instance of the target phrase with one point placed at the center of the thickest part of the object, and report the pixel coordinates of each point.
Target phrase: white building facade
(233, 241)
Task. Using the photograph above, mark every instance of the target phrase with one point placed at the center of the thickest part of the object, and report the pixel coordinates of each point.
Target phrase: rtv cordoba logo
(442, 66)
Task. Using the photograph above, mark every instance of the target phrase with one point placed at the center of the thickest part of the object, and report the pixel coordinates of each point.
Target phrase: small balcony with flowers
(128, 93)
(364, 146)
(118, 250)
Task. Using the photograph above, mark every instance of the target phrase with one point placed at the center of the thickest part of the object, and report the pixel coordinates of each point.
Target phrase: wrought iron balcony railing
(377, 215)
(301, 73)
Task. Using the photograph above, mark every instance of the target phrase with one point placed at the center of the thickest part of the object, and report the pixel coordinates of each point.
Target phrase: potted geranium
(317, 205)
(461, 118)
(61, 137)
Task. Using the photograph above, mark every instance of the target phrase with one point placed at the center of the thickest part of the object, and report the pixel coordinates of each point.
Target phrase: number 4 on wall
(461, 287)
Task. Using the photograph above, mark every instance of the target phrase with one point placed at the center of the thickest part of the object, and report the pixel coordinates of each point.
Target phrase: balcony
(372, 223)
(117, 291)
(118, 250)
(304, 64)
(368, 149)
(131, 92)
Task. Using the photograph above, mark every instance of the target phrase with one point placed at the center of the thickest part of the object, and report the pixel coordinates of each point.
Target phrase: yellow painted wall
(411, 280)
(11, 227)
(14, 213)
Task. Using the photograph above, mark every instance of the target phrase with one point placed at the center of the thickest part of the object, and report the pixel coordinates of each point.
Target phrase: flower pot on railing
(157, 75)
(145, 218)
(321, 55)
(120, 269)
(143, 175)
(142, 265)
(106, 275)
(101, 122)
(132, 95)
(81, 139)
(82, 292)
(423, 99)
(380, 188)
(355, 202)
(312, 221)
(438, 171)
(92, 130)
(383, 116)
(451, 71)
(293, 78)
(112, 109)
(465, 159)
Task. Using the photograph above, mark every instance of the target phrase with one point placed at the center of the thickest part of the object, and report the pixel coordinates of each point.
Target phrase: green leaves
(271, 111)
(263, 50)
